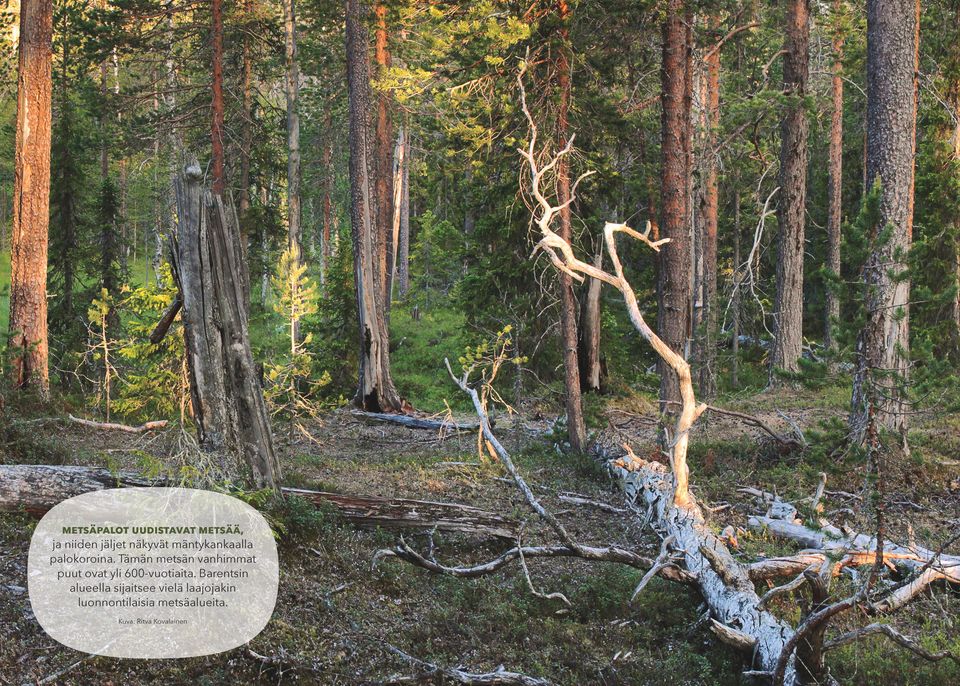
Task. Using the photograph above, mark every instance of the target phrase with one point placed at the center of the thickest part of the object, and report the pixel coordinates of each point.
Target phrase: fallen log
(415, 422)
(403, 513)
(37, 488)
(926, 565)
(112, 426)
(726, 585)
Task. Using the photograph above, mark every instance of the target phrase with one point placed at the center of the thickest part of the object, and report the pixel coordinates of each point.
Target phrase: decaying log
(37, 488)
(415, 422)
(211, 275)
(860, 549)
(403, 513)
(725, 584)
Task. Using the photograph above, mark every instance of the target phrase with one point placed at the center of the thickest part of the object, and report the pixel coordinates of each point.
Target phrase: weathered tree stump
(210, 272)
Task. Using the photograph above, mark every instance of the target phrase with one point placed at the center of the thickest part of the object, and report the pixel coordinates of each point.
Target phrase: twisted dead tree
(690, 551)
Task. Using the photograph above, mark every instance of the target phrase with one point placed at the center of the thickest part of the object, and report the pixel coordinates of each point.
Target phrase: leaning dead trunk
(225, 392)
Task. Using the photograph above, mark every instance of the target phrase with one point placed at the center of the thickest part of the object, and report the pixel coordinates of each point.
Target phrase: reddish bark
(576, 428)
(673, 278)
(31, 199)
(383, 159)
(835, 181)
(247, 123)
(708, 383)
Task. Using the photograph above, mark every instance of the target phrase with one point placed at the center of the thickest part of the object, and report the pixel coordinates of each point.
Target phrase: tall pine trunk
(325, 248)
(31, 200)
(375, 391)
(383, 162)
(834, 181)
(246, 125)
(883, 345)
(709, 209)
(673, 278)
(218, 173)
(576, 427)
(294, 230)
(794, 128)
(403, 259)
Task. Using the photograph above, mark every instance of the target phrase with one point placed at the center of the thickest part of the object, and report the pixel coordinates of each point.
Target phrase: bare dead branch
(498, 677)
(886, 630)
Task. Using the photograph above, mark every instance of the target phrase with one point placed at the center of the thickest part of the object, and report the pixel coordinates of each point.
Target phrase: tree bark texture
(883, 345)
(27, 344)
(576, 427)
(794, 129)
(673, 277)
(225, 391)
(375, 391)
(218, 173)
(834, 181)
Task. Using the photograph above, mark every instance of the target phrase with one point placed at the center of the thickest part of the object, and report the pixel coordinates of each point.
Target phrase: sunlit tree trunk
(31, 200)
(673, 278)
(375, 391)
(403, 261)
(294, 230)
(218, 173)
(709, 203)
(788, 302)
(383, 160)
(883, 345)
(835, 180)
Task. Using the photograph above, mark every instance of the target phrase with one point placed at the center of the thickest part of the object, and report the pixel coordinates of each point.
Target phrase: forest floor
(336, 613)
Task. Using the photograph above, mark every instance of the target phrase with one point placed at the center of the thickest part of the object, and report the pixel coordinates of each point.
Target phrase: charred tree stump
(225, 394)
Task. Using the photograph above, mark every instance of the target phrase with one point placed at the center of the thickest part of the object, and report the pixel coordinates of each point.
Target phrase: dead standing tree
(228, 408)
